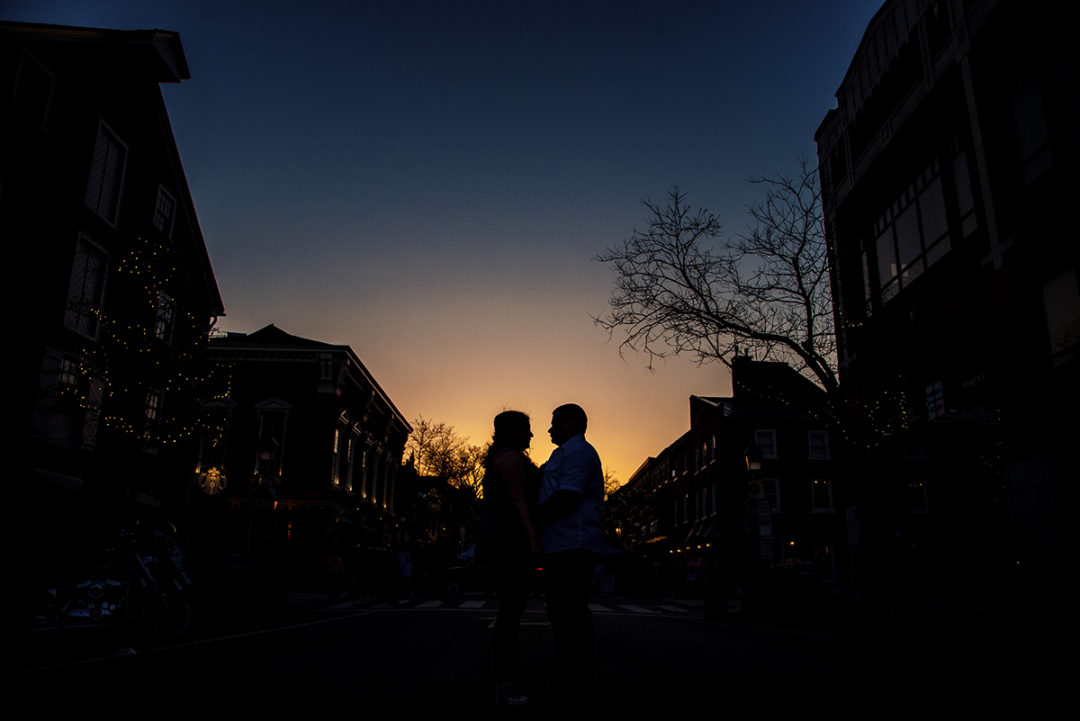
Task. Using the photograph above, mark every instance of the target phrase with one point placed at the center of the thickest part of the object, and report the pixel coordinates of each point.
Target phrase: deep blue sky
(428, 181)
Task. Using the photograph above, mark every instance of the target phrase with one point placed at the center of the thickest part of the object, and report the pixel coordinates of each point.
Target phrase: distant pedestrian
(404, 571)
(335, 573)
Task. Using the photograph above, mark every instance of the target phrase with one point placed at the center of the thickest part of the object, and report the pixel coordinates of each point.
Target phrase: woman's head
(512, 430)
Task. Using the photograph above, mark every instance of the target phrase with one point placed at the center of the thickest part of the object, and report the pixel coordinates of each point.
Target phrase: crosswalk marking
(535, 606)
(339, 606)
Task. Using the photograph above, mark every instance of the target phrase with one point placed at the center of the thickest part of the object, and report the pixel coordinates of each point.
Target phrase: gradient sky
(428, 182)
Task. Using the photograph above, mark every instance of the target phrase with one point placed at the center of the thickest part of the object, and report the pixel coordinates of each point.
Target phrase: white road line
(523, 623)
(598, 608)
(472, 604)
(674, 609)
(637, 609)
(429, 604)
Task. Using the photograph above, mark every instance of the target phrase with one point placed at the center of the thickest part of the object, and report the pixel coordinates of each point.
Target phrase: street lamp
(753, 456)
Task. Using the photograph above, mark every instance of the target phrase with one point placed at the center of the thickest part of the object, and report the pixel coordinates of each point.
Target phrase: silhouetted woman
(508, 540)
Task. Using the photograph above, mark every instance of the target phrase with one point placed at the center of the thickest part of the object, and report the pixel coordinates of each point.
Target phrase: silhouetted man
(570, 511)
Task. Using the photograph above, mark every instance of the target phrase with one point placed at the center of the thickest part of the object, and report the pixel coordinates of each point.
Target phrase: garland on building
(146, 375)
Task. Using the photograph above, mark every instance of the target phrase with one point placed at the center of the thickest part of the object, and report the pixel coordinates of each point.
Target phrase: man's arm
(558, 504)
(574, 472)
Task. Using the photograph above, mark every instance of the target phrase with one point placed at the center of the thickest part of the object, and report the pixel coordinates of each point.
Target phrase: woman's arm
(511, 468)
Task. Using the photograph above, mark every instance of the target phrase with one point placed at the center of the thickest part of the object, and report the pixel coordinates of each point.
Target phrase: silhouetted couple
(549, 516)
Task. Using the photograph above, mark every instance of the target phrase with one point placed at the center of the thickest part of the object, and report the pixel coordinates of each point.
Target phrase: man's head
(567, 421)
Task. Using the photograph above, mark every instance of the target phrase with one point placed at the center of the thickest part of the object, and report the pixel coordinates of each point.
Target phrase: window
(210, 465)
(771, 488)
(965, 197)
(766, 441)
(272, 418)
(935, 401)
(912, 234)
(1029, 125)
(826, 565)
(152, 413)
(334, 463)
(164, 317)
(165, 212)
(350, 451)
(821, 495)
(106, 175)
(33, 89)
(1061, 301)
(86, 290)
(343, 457)
(819, 445)
(69, 375)
(364, 471)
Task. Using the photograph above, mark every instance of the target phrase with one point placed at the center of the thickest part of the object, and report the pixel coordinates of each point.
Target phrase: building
(747, 498)
(104, 369)
(947, 173)
(303, 456)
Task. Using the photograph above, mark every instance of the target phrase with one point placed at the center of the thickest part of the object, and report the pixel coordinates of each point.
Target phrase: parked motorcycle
(146, 588)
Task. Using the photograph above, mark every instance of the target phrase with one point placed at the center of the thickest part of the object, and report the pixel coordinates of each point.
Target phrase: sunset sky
(428, 182)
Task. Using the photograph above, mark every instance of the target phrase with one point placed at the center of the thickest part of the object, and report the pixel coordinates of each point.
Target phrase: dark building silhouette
(701, 520)
(112, 291)
(947, 174)
(304, 454)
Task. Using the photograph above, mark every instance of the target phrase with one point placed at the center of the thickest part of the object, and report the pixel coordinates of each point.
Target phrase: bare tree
(611, 482)
(682, 287)
(438, 451)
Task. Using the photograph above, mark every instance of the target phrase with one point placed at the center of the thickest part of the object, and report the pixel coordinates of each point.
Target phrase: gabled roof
(273, 339)
(271, 335)
(158, 50)
(155, 55)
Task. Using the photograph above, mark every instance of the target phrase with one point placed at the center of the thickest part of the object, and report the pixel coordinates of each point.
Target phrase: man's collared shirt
(575, 466)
